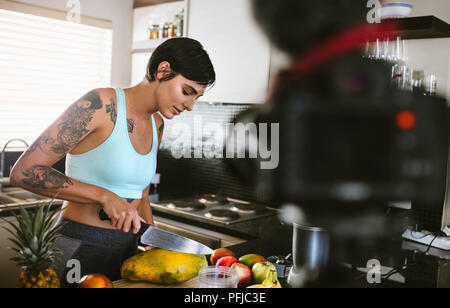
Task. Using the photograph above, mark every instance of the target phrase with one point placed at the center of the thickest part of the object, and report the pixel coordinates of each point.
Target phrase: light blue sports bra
(115, 165)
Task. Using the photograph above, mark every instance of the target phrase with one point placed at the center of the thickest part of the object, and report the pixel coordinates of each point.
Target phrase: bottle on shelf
(165, 30)
(154, 32)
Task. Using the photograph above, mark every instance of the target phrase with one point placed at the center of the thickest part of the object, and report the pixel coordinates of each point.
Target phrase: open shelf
(423, 27)
(147, 45)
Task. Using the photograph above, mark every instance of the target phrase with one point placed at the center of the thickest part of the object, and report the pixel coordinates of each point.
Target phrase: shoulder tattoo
(111, 109)
(130, 124)
(75, 121)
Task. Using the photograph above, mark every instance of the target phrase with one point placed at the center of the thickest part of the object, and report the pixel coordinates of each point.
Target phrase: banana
(270, 282)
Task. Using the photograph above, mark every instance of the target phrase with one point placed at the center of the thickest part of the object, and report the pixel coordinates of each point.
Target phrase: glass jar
(165, 31)
(218, 277)
(172, 30)
(154, 32)
(179, 21)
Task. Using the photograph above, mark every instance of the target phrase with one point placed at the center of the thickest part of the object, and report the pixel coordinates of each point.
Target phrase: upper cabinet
(237, 47)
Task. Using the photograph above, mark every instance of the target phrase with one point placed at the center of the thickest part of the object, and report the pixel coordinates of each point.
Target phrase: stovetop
(215, 208)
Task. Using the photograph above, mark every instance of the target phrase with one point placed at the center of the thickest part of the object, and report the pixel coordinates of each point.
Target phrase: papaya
(162, 266)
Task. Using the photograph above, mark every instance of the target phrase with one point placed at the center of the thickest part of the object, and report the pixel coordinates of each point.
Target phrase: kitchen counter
(124, 284)
(415, 268)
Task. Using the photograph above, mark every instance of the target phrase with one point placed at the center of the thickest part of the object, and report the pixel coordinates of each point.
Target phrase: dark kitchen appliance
(223, 213)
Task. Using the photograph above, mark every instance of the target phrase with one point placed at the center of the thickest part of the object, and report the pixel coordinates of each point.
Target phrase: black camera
(347, 136)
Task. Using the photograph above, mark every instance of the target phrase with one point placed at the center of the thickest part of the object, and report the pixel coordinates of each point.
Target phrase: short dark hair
(186, 57)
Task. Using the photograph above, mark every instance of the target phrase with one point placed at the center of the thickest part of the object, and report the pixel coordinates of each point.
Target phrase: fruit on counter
(95, 281)
(219, 253)
(227, 261)
(260, 270)
(271, 281)
(251, 258)
(244, 273)
(33, 236)
(162, 266)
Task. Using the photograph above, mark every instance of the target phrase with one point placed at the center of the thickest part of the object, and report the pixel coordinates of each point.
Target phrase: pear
(260, 270)
(271, 281)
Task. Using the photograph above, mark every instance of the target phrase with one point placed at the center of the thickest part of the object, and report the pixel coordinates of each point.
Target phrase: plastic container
(396, 10)
(218, 277)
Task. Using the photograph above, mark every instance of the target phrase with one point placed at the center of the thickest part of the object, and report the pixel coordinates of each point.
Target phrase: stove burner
(243, 208)
(186, 205)
(223, 215)
(211, 199)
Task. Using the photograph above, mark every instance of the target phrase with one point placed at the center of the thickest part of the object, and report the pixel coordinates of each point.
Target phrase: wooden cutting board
(193, 283)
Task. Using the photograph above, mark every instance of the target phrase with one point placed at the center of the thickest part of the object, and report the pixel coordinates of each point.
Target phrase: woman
(111, 138)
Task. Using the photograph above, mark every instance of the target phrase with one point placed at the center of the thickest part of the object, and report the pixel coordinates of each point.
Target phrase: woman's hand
(123, 217)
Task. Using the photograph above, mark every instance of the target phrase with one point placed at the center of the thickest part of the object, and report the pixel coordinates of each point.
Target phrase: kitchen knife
(155, 237)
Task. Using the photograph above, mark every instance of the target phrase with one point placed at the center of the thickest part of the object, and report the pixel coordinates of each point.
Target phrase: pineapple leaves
(37, 223)
(33, 235)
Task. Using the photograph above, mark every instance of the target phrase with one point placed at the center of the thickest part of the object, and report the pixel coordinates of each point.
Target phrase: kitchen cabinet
(238, 49)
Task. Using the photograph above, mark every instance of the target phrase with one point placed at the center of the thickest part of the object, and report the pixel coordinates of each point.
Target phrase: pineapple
(33, 238)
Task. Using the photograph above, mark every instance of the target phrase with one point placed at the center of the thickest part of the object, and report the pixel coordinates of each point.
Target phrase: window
(45, 65)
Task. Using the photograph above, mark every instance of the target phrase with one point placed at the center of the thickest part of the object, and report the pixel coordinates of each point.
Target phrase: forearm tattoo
(75, 121)
(45, 177)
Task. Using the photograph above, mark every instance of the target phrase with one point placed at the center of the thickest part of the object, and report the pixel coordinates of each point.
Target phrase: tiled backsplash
(185, 177)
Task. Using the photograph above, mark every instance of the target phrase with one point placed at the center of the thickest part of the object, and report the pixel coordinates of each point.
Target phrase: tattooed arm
(34, 172)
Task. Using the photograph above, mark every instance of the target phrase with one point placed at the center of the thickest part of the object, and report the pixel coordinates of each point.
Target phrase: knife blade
(155, 237)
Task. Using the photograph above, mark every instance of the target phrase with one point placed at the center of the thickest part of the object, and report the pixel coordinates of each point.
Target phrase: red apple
(245, 274)
(226, 261)
(219, 253)
(95, 281)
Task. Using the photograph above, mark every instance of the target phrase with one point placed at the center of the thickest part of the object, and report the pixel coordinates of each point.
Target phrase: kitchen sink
(12, 197)
(5, 200)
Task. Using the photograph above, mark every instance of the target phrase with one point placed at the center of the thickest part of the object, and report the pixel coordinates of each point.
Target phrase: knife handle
(144, 226)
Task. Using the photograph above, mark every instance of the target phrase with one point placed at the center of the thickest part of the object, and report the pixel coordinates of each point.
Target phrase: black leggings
(97, 250)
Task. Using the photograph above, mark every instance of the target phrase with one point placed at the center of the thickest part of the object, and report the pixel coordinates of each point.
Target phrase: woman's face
(177, 95)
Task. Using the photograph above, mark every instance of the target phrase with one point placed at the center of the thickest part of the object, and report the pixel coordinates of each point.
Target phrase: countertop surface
(124, 284)
(415, 264)
(413, 267)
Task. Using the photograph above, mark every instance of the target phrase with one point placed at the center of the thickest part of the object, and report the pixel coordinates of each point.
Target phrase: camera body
(347, 136)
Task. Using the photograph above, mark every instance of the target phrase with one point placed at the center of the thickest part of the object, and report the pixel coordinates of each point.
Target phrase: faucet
(2, 159)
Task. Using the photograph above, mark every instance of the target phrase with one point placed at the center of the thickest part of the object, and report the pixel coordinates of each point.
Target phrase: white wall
(142, 16)
(432, 55)
(120, 12)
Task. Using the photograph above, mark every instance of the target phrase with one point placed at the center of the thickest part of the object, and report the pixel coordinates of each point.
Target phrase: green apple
(260, 270)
